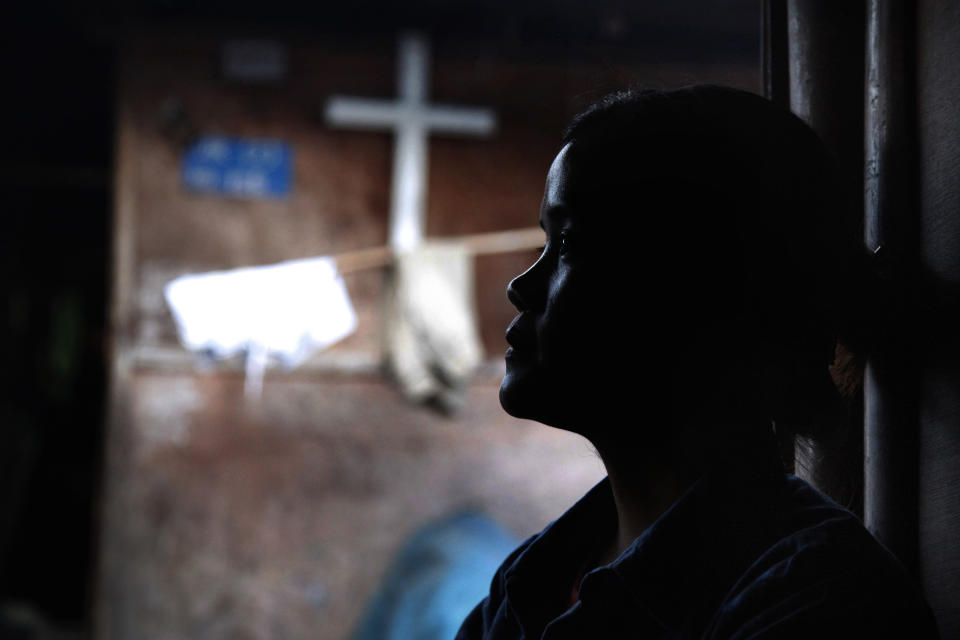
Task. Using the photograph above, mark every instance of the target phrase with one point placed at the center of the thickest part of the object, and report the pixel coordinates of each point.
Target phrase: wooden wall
(938, 87)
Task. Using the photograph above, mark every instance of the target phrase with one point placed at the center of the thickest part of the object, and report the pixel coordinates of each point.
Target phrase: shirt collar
(681, 565)
(537, 583)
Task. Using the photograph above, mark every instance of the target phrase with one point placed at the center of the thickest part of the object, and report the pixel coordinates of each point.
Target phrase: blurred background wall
(199, 511)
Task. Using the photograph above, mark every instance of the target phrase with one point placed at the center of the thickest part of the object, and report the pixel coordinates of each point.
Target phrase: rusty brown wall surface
(339, 195)
(230, 518)
(340, 192)
(278, 520)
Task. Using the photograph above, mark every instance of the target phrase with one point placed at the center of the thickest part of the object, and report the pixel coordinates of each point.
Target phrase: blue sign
(242, 168)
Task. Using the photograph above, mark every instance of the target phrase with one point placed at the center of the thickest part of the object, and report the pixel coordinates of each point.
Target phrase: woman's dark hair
(755, 198)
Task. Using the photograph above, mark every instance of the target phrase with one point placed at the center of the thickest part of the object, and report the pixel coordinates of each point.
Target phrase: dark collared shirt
(747, 552)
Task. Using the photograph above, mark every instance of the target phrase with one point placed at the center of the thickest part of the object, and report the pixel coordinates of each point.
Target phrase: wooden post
(773, 62)
(826, 70)
(110, 587)
(891, 384)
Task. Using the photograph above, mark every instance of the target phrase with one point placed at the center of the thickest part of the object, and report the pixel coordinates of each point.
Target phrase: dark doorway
(54, 251)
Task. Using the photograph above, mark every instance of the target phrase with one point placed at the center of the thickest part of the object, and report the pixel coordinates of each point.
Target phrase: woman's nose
(522, 290)
(513, 295)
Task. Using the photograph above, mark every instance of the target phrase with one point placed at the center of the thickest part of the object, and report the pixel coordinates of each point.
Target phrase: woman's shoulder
(823, 572)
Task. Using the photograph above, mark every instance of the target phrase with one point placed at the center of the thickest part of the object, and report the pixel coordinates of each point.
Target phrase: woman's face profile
(568, 344)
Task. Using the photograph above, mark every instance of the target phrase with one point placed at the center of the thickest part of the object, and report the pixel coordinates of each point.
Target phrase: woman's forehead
(581, 179)
(554, 193)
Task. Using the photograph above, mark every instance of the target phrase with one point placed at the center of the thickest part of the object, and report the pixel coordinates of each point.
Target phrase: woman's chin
(507, 396)
(527, 401)
(516, 397)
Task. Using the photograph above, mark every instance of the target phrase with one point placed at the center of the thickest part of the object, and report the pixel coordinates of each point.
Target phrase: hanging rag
(432, 342)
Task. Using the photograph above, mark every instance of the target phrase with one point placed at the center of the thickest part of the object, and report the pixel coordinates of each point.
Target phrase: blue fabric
(747, 552)
(436, 578)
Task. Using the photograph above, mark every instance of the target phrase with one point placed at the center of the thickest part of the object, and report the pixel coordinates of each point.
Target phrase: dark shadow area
(54, 248)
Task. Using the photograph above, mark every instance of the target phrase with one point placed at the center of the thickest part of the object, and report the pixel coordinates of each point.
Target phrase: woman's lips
(519, 338)
(513, 336)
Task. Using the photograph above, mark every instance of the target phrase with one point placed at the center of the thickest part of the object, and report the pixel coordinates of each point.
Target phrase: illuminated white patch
(285, 311)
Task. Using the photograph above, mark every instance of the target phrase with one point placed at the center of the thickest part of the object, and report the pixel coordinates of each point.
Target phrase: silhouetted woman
(688, 302)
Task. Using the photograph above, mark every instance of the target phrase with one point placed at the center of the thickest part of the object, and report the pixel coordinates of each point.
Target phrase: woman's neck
(645, 484)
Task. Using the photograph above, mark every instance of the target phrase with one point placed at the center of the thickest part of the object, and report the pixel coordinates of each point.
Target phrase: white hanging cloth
(431, 337)
(283, 312)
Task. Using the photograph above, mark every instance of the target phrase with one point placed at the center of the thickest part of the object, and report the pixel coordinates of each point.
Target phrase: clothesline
(477, 244)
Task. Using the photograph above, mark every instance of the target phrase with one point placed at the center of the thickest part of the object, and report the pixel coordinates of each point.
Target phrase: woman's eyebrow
(553, 215)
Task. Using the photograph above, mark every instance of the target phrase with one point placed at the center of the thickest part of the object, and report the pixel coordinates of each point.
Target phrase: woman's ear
(800, 394)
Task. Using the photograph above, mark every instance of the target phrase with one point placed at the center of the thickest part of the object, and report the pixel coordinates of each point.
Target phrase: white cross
(411, 119)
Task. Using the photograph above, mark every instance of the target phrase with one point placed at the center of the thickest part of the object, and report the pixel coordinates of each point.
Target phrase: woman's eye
(561, 245)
